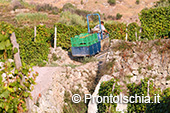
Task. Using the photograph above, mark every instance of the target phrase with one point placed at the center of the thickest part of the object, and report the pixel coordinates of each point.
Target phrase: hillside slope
(128, 8)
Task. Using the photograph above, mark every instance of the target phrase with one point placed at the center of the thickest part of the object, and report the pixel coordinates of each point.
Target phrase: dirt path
(44, 79)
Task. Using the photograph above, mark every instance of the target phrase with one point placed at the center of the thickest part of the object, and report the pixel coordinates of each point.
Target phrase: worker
(102, 27)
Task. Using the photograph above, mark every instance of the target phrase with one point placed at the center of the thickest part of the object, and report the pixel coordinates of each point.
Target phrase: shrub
(47, 7)
(82, 2)
(68, 6)
(16, 4)
(162, 3)
(137, 1)
(111, 17)
(118, 16)
(112, 2)
(71, 19)
(82, 12)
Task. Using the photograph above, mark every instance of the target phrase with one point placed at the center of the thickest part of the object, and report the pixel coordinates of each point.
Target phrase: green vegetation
(54, 57)
(132, 29)
(107, 89)
(34, 52)
(31, 17)
(111, 17)
(71, 19)
(82, 2)
(163, 106)
(137, 1)
(116, 30)
(168, 78)
(155, 22)
(4, 45)
(12, 93)
(68, 6)
(5, 1)
(88, 59)
(112, 2)
(30, 51)
(149, 67)
(48, 8)
(71, 107)
(71, 65)
(141, 90)
(118, 16)
(162, 3)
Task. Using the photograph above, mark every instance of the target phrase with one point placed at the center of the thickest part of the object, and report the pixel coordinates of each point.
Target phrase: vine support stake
(18, 63)
(154, 36)
(17, 58)
(136, 35)
(35, 32)
(126, 32)
(55, 38)
(140, 31)
(148, 89)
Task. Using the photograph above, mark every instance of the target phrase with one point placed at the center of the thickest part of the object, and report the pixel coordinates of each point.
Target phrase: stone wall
(137, 60)
(68, 80)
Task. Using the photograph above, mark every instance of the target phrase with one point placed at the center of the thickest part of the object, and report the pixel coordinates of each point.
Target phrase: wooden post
(17, 58)
(126, 32)
(18, 63)
(35, 33)
(55, 38)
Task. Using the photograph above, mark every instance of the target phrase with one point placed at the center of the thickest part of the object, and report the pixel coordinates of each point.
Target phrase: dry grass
(31, 17)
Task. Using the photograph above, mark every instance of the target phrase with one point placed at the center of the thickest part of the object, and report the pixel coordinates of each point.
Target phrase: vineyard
(151, 28)
(155, 24)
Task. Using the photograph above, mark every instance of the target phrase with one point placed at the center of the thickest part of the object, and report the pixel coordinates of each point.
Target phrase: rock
(76, 87)
(133, 79)
(117, 66)
(77, 74)
(127, 71)
(62, 57)
(85, 74)
(49, 56)
(116, 74)
(135, 73)
(21, 10)
(93, 72)
(134, 66)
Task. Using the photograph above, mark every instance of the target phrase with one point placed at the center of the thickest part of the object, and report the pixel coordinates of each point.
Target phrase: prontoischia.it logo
(76, 98)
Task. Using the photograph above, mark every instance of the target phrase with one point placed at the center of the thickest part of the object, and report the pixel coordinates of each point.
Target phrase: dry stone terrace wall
(137, 60)
(69, 80)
